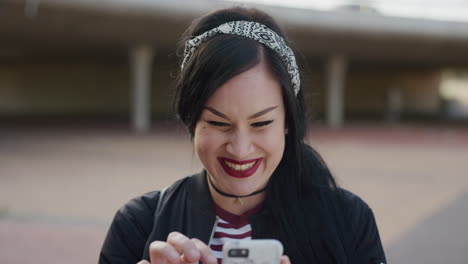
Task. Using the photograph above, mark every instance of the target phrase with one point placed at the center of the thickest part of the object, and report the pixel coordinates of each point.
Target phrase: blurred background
(86, 120)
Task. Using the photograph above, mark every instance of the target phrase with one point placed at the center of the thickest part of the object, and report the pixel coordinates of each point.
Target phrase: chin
(239, 186)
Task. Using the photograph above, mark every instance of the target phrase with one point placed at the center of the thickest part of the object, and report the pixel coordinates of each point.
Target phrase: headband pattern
(253, 30)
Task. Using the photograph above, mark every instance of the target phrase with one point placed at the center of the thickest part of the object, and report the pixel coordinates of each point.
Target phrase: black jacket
(187, 207)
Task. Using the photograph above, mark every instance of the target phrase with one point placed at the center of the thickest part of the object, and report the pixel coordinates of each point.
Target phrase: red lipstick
(243, 173)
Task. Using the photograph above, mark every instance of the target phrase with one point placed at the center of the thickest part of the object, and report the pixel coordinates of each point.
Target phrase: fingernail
(174, 257)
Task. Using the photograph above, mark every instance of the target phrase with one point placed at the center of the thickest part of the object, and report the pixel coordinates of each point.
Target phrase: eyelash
(261, 124)
(214, 123)
(257, 124)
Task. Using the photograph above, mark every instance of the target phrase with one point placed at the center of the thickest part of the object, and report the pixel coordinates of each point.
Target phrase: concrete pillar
(336, 76)
(31, 8)
(141, 58)
(394, 105)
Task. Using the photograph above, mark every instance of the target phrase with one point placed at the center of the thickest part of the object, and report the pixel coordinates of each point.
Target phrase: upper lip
(241, 162)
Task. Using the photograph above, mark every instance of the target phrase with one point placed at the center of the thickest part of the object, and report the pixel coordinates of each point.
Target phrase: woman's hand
(179, 249)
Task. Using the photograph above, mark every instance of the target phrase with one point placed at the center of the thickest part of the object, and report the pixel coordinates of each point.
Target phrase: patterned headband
(256, 31)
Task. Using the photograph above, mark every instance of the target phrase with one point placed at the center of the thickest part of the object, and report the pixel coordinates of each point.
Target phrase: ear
(286, 131)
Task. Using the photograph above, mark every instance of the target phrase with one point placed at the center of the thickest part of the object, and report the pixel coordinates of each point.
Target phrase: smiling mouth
(241, 169)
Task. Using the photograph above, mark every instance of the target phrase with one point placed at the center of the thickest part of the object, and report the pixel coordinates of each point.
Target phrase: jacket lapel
(201, 217)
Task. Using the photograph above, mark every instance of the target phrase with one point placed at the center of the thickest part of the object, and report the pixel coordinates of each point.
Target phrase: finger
(207, 255)
(162, 252)
(184, 246)
(143, 262)
(285, 260)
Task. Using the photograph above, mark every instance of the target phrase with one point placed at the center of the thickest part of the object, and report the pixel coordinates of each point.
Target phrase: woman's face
(240, 135)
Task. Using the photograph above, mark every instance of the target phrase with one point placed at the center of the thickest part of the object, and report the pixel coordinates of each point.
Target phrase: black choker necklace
(232, 195)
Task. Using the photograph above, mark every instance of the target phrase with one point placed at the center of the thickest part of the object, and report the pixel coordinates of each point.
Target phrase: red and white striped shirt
(230, 227)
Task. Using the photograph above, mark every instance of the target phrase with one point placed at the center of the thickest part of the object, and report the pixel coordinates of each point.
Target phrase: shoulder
(141, 207)
(131, 226)
(339, 197)
(351, 201)
(129, 230)
(364, 235)
(347, 205)
(145, 205)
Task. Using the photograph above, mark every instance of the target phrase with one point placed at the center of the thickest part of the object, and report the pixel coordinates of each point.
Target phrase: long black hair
(301, 170)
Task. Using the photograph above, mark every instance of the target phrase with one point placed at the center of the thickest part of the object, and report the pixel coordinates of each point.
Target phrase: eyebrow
(260, 113)
(264, 111)
(216, 112)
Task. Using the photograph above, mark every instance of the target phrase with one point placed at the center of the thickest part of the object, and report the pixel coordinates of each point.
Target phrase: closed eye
(219, 124)
(261, 124)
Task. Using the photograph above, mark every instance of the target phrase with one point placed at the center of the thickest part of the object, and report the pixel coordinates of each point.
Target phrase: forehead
(253, 89)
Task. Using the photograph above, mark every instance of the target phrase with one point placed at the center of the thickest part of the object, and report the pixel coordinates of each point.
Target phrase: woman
(239, 95)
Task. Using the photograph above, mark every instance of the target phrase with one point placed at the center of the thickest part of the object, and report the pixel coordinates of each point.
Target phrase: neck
(237, 206)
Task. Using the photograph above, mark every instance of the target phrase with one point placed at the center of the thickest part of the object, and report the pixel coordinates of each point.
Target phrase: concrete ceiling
(65, 27)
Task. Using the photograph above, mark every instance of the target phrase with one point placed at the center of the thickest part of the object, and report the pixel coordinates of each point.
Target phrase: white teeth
(238, 167)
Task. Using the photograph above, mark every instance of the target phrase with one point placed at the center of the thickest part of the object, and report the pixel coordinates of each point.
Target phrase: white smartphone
(255, 251)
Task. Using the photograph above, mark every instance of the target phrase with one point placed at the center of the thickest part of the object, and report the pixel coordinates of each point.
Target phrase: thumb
(285, 260)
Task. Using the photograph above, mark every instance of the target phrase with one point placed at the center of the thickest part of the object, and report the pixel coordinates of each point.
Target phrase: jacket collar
(199, 192)
(201, 213)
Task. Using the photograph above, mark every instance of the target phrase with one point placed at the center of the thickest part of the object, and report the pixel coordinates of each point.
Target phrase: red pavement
(404, 193)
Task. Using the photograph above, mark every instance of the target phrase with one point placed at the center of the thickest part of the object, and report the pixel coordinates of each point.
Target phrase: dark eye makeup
(257, 124)
(220, 124)
(261, 124)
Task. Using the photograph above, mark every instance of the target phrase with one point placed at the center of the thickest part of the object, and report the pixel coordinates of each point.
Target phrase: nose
(240, 145)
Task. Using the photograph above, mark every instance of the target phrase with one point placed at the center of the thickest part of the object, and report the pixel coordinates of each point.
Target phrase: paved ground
(59, 187)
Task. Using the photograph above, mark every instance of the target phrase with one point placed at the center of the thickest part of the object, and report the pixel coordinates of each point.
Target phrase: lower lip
(240, 174)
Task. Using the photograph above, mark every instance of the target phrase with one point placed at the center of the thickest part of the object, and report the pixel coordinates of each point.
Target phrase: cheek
(273, 142)
(201, 141)
(206, 142)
